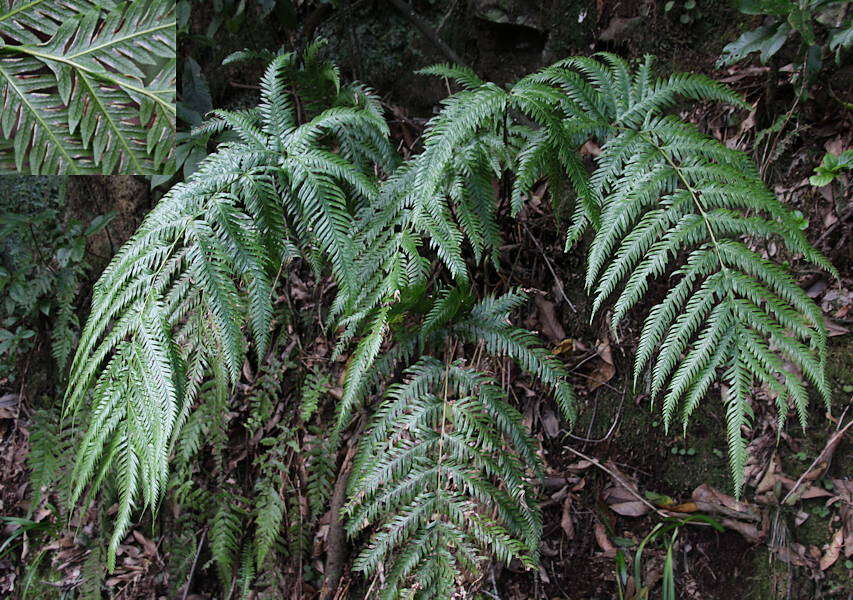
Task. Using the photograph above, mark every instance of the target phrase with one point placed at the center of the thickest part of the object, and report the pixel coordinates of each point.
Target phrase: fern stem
(169, 108)
(693, 195)
(448, 360)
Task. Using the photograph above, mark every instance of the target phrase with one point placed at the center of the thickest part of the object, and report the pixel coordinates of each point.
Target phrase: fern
(445, 475)
(664, 199)
(313, 390)
(167, 308)
(269, 513)
(667, 199)
(92, 575)
(45, 456)
(321, 474)
(434, 475)
(225, 538)
(88, 86)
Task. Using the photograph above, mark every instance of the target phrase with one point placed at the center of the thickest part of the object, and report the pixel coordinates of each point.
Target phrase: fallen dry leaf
(771, 476)
(608, 549)
(550, 422)
(603, 370)
(709, 495)
(795, 554)
(149, 547)
(684, 507)
(632, 508)
(619, 28)
(9, 406)
(623, 496)
(550, 325)
(832, 551)
(844, 490)
(581, 465)
(712, 501)
(566, 346)
(747, 530)
(834, 329)
(566, 521)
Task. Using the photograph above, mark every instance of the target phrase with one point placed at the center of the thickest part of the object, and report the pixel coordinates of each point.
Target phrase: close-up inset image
(87, 86)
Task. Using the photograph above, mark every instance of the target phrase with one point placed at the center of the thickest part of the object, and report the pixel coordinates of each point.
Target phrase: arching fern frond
(434, 474)
(448, 186)
(669, 199)
(172, 305)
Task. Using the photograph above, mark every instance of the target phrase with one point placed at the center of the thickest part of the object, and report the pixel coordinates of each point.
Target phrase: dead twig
(824, 456)
(619, 479)
(195, 562)
(557, 280)
(428, 32)
(336, 542)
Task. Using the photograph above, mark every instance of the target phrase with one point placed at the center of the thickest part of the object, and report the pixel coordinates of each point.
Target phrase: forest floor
(617, 473)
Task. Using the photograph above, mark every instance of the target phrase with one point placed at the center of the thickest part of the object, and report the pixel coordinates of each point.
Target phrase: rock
(619, 28)
(510, 12)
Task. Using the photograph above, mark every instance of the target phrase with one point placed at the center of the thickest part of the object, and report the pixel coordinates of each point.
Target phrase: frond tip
(435, 476)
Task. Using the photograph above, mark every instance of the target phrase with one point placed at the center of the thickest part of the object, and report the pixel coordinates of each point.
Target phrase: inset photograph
(87, 87)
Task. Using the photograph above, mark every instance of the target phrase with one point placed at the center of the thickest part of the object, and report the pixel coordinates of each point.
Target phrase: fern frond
(464, 76)
(675, 201)
(225, 538)
(45, 456)
(174, 302)
(105, 103)
(21, 20)
(313, 389)
(269, 515)
(434, 476)
(488, 322)
(466, 121)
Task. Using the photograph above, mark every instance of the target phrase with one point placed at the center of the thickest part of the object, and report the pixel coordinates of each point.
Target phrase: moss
(674, 464)
(769, 579)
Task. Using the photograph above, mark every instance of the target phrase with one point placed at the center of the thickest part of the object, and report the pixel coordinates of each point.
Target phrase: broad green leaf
(841, 38)
(767, 40)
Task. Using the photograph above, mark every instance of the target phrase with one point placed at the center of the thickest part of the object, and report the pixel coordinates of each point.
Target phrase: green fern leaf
(225, 536)
(106, 104)
(666, 191)
(173, 304)
(435, 477)
(269, 514)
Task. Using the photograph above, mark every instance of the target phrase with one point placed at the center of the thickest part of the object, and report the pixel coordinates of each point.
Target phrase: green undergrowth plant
(630, 580)
(42, 261)
(445, 473)
(815, 25)
(832, 168)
